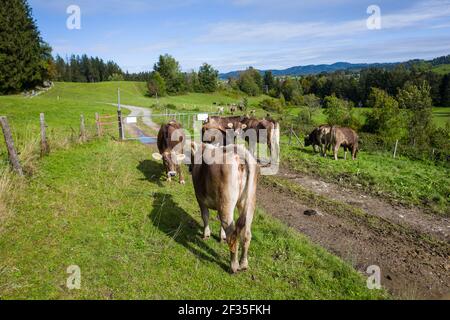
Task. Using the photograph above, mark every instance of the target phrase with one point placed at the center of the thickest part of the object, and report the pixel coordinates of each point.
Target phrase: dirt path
(412, 217)
(146, 115)
(411, 267)
(142, 134)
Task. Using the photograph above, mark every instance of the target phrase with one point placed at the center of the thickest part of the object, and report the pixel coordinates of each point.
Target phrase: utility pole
(119, 116)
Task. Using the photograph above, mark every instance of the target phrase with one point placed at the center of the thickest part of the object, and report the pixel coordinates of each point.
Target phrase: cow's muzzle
(172, 174)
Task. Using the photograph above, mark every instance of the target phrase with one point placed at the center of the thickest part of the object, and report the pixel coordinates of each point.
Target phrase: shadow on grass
(175, 222)
(152, 171)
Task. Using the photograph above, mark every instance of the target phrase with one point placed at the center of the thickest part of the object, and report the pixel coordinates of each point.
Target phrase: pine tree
(445, 91)
(24, 57)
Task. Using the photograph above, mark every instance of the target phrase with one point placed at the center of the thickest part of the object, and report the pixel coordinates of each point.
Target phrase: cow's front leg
(336, 151)
(223, 235)
(205, 217)
(180, 174)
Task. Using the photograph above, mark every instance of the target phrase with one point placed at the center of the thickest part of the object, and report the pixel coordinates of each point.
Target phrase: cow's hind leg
(246, 236)
(226, 218)
(205, 217)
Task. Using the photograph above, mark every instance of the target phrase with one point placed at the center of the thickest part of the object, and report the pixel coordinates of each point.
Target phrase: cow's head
(308, 141)
(170, 160)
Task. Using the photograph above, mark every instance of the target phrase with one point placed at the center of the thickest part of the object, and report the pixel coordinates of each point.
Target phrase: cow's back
(217, 184)
(344, 136)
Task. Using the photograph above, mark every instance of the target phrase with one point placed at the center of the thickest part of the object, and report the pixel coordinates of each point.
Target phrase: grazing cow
(223, 187)
(224, 125)
(320, 137)
(170, 152)
(220, 110)
(346, 138)
(233, 109)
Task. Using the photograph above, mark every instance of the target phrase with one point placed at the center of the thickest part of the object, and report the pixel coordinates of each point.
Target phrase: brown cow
(273, 134)
(320, 137)
(223, 187)
(346, 138)
(171, 140)
(226, 126)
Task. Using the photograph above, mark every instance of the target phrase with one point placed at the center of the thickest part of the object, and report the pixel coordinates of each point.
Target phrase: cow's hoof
(234, 268)
(243, 265)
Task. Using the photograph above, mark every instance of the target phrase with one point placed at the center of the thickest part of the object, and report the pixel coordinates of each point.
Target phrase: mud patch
(411, 267)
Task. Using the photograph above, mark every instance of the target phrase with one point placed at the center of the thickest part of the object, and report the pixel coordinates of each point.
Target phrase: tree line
(348, 85)
(86, 69)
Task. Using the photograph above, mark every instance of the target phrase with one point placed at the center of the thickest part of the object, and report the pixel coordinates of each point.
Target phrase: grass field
(103, 207)
(442, 69)
(404, 180)
(441, 116)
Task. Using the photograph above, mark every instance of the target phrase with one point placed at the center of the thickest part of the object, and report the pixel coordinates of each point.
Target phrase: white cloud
(240, 32)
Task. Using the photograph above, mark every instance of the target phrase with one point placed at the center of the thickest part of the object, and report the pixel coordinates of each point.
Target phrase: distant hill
(339, 66)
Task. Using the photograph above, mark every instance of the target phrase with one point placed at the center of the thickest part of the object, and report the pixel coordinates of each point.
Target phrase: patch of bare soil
(411, 267)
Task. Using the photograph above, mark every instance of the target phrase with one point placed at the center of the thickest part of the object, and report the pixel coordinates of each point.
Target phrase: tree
(250, 81)
(339, 112)
(292, 91)
(444, 91)
(269, 81)
(170, 71)
(417, 101)
(385, 118)
(156, 85)
(116, 77)
(24, 57)
(312, 104)
(208, 78)
(248, 85)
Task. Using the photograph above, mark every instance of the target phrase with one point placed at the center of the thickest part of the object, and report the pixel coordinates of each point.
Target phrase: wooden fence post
(97, 123)
(82, 129)
(395, 149)
(13, 158)
(291, 130)
(45, 149)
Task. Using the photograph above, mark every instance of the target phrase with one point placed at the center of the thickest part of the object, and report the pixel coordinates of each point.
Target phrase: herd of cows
(231, 183)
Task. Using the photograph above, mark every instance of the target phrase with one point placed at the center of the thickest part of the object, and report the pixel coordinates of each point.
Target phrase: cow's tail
(249, 192)
(333, 135)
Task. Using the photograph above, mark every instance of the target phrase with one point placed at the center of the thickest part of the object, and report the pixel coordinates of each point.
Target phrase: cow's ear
(230, 125)
(157, 156)
(181, 157)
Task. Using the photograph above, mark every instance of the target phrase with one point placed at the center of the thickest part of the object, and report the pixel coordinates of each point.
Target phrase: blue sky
(234, 34)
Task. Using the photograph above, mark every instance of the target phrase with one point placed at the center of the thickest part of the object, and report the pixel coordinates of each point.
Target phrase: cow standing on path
(345, 137)
(223, 187)
(171, 140)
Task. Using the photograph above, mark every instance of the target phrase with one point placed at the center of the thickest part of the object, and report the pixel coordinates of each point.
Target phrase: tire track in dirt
(414, 263)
